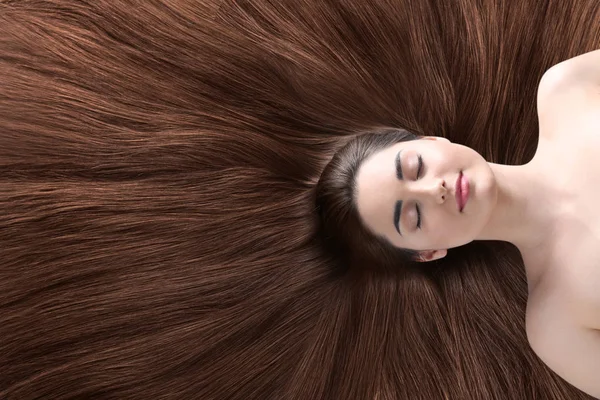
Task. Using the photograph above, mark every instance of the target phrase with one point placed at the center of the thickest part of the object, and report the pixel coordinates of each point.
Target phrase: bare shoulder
(567, 90)
(579, 71)
(569, 349)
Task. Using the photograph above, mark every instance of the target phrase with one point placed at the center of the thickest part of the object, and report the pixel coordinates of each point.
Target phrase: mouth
(462, 191)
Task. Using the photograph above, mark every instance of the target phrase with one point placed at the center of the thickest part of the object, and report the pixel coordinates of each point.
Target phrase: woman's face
(407, 193)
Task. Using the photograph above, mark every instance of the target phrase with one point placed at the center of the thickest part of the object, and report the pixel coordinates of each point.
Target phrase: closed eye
(419, 172)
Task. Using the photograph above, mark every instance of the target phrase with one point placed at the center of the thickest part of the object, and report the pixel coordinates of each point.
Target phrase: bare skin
(549, 208)
(563, 312)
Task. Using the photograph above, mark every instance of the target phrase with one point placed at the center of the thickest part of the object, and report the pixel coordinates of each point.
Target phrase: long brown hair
(158, 226)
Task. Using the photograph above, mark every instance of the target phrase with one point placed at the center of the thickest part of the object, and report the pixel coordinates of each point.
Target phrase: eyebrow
(398, 207)
(397, 213)
(399, 173)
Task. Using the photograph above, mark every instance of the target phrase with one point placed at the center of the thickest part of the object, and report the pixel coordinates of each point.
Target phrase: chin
(483, 194)
(488, 189)
(483, 184)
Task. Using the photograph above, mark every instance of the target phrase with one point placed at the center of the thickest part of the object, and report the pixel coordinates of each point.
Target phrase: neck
(526, 210)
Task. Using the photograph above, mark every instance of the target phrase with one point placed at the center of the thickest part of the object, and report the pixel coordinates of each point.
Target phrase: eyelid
(420, 165)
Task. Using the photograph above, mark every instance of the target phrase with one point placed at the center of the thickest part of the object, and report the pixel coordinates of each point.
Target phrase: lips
(462, 191)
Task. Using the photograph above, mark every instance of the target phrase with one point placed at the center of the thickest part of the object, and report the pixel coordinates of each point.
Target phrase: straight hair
(158, 226)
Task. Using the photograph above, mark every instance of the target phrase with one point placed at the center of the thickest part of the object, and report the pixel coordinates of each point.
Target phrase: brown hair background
(157, 224)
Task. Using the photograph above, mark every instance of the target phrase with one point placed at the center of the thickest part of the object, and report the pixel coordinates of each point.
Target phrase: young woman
(391, 193)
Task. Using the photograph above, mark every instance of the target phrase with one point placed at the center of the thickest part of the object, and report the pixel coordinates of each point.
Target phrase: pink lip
(461, 191)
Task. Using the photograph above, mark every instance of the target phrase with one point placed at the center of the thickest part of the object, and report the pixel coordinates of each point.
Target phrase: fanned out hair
(159, 236)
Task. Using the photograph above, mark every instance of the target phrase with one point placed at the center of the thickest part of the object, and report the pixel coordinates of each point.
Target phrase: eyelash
(416, 206)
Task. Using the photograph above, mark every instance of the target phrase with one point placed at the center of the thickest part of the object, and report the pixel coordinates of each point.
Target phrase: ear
(431, 255)
(438, 138)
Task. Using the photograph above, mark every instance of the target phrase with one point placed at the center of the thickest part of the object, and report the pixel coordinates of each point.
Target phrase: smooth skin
(549, 208)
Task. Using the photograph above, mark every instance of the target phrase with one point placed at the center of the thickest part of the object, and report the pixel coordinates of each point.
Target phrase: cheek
(442, 229)
(450, 231)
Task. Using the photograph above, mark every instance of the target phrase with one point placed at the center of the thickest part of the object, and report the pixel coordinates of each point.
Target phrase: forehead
(375, 195)
(381, 165)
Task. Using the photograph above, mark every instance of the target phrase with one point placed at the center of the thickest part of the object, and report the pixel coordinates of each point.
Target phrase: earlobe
(431, 255)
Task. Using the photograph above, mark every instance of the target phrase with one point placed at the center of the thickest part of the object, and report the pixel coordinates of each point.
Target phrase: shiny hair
(159, 237)
(341, 225)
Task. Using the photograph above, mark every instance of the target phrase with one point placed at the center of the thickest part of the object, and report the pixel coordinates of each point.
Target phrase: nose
(431, 189)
